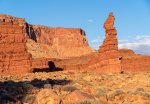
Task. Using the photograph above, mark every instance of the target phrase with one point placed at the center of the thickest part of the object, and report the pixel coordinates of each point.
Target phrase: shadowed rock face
(110, 43)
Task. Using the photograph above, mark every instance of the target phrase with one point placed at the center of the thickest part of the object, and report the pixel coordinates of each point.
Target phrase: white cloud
(123, 40)
(96, 42)
(143, 49)
(140, 45)
(98, 39)
(138, 37)
(90, 20)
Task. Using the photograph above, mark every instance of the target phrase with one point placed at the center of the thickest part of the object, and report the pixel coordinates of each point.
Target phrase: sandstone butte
(25, 47)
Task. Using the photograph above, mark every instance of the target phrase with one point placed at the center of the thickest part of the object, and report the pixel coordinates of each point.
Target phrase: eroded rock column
(109, 56)
(110, 43)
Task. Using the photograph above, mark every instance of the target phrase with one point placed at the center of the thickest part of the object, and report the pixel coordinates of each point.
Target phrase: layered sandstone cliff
(134, 62)
(109, 58)
(24, 47)
(13, 54)
(57, 42)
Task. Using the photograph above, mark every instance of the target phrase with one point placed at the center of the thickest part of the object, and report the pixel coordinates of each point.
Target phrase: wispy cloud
(98, 39)
(90, 20)
(138, 37)
(123, 40)
(96, 42)
(141, 44)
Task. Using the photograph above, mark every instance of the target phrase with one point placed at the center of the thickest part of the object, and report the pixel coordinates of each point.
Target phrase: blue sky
(132, 18)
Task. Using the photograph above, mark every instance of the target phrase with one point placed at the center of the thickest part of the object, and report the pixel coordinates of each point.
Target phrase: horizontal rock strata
(59, 42)
(14, 57)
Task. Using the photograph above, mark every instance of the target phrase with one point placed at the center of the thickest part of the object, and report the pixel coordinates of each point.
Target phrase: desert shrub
(118, 92)
(140, 89)
(29, 99)
(28, 88)
(69, 88)
(88, 101)
(48, 86)
(136, 91)
(100, 92)
(115, 93)
(146, 95)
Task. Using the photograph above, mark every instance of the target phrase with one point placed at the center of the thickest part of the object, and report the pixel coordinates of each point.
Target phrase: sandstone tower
(110, 43)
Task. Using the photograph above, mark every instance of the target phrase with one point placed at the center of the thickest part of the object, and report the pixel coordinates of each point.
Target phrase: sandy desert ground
(74, 87)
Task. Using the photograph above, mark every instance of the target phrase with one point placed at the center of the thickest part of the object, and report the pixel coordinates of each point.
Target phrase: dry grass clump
(69, 88)
(88, 101)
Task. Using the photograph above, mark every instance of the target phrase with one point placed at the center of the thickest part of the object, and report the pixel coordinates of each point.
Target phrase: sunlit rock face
(21, 43)
(14, 57)
(110, 43)
(59, 42)
(24, 47)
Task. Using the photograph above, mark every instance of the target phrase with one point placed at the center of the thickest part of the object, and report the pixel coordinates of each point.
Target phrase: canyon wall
(21, 45)
(132, 62)
(59, 42)
(107, 59)
(136, 64)
(14, 57)
(24, 47)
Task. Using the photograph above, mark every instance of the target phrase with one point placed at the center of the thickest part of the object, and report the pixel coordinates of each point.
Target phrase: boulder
(47, 96)
(78, 97)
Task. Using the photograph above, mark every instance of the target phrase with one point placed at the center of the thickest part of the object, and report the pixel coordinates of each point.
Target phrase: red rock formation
(14, 33)
(57, 36)
(134, 62)
(14, 57)
(61, 42)
(110, 43)
(126, 52)
(109, 57)
(40, 63)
